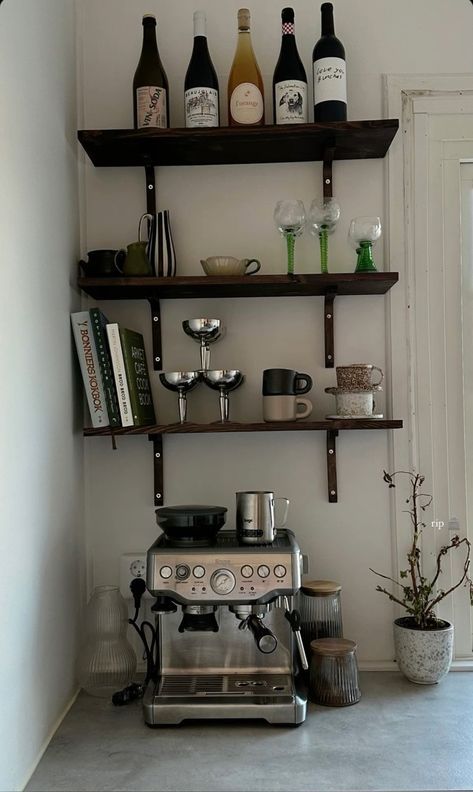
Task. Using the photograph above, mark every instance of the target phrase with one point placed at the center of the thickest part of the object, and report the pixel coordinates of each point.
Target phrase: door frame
(406, 164)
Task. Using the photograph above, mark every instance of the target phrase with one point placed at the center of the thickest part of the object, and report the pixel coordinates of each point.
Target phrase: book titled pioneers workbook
(136, 368)
(89, 365)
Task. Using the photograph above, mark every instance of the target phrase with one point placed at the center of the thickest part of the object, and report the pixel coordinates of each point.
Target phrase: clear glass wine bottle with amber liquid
(245, 84)
(150, 84)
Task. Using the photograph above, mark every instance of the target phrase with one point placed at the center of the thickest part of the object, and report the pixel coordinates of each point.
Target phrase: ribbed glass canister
(107, 662)
(320, 607)
(333, 678)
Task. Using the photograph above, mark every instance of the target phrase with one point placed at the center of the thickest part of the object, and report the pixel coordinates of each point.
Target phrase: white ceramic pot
(423, 656)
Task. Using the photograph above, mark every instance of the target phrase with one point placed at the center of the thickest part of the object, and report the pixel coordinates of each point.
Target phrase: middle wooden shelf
(331, 427)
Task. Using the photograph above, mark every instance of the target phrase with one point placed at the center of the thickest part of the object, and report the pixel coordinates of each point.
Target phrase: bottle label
(201, 107)
(151, 107)
(330, 82)
(246, 104)
(290, 97)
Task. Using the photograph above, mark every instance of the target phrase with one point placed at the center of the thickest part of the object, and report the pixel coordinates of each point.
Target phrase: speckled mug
(358, 376)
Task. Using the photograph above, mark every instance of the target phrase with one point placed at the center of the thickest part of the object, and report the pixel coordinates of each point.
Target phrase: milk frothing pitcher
(255, 521)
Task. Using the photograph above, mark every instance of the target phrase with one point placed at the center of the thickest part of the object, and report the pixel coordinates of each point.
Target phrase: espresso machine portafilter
(230, 648)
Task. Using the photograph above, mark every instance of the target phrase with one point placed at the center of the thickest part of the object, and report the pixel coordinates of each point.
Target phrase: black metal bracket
(158, 467)
(329, 329)
(329, 154)
(332, 465)
(151, 201)
(156, 333)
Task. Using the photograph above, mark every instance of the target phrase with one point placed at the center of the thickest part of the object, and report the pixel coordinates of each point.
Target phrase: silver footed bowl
(203, 330)
(180, 381)
(223, 379)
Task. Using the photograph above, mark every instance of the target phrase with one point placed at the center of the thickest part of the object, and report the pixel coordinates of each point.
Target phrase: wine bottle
(330, 87)
(201, 83)
(245, 84)
(150, 84)
(289, 80)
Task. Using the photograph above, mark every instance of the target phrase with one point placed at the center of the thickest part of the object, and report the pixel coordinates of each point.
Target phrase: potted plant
(423, 643)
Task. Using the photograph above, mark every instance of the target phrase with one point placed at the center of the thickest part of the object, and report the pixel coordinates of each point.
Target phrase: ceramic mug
(285, 408)
(355, 403)
(285, 382)
(99, 264)
(228, 265)
(133, 261)
(358, 376)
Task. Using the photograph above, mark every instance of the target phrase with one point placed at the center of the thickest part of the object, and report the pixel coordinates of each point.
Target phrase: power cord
(136, 690)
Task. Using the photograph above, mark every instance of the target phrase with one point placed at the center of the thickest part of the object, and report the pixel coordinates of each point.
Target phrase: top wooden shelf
(238, 145)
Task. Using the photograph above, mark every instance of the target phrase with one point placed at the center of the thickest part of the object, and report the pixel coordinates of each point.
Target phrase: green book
(99, 323)
(137, 375)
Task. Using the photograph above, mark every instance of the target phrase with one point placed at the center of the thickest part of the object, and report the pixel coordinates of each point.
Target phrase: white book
(89, 366)
(119, 373)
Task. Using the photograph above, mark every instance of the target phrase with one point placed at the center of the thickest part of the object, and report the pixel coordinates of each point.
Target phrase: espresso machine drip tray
(269, 696)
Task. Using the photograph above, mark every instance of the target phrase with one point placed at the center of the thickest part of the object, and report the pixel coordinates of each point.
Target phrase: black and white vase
(160, 245)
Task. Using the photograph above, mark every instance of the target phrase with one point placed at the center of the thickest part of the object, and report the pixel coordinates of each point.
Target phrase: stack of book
(114, 370)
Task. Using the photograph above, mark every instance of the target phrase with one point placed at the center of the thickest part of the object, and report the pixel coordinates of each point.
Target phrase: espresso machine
(228, 640)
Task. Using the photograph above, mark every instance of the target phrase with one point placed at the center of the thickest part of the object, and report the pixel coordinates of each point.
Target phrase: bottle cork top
(244, 18)
(149, 18)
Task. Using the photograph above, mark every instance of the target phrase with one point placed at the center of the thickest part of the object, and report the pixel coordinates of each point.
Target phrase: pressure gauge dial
(222, 581)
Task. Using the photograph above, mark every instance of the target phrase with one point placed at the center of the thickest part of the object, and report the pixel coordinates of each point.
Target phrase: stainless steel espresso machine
(228, 640)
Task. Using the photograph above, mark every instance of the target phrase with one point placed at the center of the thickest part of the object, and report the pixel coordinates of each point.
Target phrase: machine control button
(263, 571)
(280, 570)
(165, 572)
(182, 572)
(222, 581)
(199, 571)
(247, 571)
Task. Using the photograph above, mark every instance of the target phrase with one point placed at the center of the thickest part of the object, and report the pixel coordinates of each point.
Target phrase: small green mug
(133, 262)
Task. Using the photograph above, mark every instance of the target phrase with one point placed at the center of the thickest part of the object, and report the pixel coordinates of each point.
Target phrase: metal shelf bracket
(158, 466)
(156, 334)
(329, 329)
(332, 465)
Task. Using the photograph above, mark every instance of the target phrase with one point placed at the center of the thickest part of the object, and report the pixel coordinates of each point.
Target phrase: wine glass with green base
(323, 218)
(363, 233)
(289, 217)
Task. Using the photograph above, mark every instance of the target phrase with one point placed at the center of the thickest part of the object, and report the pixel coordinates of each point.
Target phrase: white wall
(41, 457)
(217, 210)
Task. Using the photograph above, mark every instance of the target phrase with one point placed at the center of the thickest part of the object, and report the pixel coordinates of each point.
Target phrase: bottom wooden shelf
(331, 427)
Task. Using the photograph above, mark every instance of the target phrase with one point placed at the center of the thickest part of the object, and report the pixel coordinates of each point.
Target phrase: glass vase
(107, 662)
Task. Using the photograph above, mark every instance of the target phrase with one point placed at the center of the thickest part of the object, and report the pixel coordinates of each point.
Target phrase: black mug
(100, 263)
(278, 382)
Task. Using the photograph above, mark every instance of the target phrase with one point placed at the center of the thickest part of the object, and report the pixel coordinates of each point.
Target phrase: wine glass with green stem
(363, 233)
(289, 217)
(323, 218)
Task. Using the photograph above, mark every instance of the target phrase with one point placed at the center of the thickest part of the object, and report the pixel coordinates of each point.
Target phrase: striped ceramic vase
(160, 246)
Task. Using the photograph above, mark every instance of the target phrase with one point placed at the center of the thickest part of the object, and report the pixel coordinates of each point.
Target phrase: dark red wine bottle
(289, 80)
(330, 87)
(150, 84)
(201, 83)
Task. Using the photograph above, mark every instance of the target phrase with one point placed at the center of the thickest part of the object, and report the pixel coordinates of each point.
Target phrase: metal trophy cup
(223, 380)
(180, 382)
(205, 332)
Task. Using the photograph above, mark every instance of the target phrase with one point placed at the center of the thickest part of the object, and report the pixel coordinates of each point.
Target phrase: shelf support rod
(156, 333)
(332, 465)
(158, 466)
(329, 329)
(329, 154)
(150, 189)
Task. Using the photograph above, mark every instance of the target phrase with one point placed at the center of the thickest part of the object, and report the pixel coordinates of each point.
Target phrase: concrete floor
(399, 737)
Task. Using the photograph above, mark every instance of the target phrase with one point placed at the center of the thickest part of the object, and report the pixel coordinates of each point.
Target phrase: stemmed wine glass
(223, 380)
(181, 382)
(322, 219)
(289, 217)
(205, 332)
(363, 233)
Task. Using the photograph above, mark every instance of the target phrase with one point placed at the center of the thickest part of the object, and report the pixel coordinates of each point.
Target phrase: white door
(437, 213)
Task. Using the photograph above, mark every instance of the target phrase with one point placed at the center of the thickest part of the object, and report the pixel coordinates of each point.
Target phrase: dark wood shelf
(233, 426)
(250, 286)
(239, 145)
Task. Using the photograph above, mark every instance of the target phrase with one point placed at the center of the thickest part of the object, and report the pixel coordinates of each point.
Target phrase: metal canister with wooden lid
(320, 607)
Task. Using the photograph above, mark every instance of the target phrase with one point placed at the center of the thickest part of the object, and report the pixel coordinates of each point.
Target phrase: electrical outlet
(132, 565)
